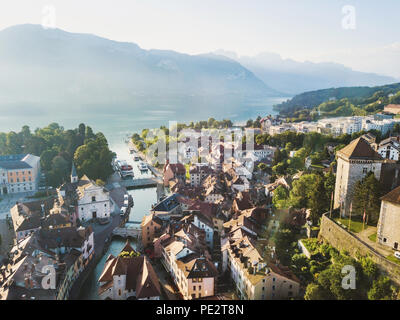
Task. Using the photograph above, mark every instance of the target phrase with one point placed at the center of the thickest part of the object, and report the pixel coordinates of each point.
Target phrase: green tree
(381, 289)
(318, 202)
(94, 158)
(316, 292)
(280, 197)
(284, 241)
(330, 180)
(302, 190)
(367, 193)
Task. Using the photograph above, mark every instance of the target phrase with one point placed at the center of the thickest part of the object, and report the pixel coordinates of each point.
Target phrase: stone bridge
(128, 232)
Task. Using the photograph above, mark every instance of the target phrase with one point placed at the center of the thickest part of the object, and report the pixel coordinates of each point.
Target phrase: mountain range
(294, 77)
(44, 71)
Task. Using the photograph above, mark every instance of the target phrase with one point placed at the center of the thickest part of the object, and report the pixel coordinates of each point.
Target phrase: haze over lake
(116, 123)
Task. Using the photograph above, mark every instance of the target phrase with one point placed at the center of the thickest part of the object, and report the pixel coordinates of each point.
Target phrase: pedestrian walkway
(364, 236)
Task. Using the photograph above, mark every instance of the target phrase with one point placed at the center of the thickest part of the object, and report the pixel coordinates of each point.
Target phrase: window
(199, 287)
(194, 288)
(365, 170)
(93, 199)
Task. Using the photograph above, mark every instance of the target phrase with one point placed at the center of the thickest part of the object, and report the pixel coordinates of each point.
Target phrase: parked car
(397, 254)
(123, 210)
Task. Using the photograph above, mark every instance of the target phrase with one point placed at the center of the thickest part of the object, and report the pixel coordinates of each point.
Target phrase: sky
(362, 34)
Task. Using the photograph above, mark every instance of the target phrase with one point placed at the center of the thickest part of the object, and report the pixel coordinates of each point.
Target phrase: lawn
(372, 237)
(393, 259)
(356, 226)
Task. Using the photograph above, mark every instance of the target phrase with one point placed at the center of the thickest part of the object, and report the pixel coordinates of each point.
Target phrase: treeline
(311, 191)
(313, 144)
(57, 149)
(355, 95)
(143, 142)
(211, 123)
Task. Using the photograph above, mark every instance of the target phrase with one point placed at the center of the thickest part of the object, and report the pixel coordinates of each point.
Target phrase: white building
(92, 201)
(202, 223)
(383, 126)
(390, 148)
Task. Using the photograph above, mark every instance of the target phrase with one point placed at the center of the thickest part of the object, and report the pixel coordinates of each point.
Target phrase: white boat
(124, 169)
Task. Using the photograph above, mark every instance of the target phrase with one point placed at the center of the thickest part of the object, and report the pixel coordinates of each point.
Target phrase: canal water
(143, 200)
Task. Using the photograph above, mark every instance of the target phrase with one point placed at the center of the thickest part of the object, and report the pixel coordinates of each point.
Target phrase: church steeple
(74, 175)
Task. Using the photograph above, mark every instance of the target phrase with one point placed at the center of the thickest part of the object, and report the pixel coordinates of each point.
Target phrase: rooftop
(359, 149)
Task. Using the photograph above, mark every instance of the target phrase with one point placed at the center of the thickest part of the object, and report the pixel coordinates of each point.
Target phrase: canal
(143, 200)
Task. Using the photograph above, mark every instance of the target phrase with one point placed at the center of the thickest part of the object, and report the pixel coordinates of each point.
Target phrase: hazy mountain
(294, 77)
(53, 69)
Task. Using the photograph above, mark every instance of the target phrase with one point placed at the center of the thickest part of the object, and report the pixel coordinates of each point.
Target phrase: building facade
(388, 229)
(354, 162)
(128, 276)
(19, 173)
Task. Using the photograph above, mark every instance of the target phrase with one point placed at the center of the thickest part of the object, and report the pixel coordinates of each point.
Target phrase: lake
(118, 122)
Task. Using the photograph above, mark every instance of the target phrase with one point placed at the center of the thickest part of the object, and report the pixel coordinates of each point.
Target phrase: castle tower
(74, 174)
(353, 163)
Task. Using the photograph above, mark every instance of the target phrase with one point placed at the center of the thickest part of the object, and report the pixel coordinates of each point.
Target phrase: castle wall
(341, 239)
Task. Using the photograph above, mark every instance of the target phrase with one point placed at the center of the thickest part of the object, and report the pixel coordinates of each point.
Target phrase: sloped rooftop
(359, 149)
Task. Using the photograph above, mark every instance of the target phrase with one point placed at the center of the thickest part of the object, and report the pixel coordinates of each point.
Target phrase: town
(278, 219)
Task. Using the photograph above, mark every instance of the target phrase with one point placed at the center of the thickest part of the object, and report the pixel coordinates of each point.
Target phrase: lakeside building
(129, 276)
(19, 173)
